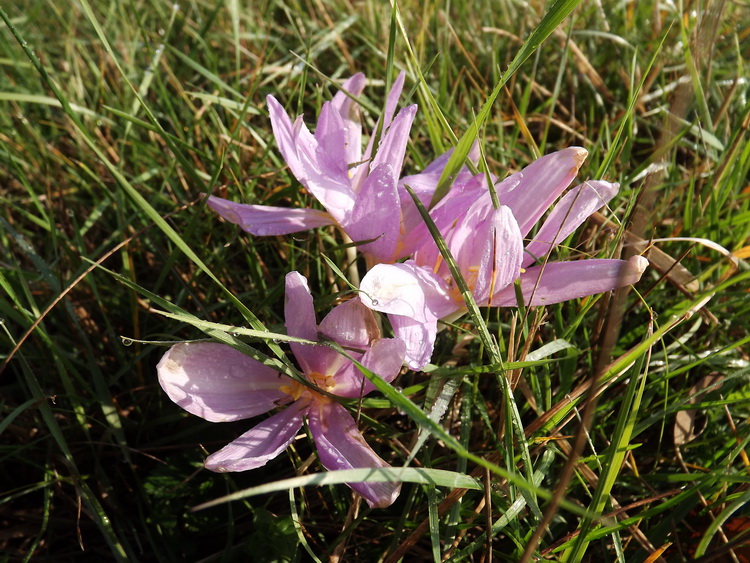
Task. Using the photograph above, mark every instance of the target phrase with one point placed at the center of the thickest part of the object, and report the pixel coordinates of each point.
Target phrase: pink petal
(567, 215)
(291, 138)
(391, 101)
(449, 212)
(266, 220)
(330, 186)
(418, 338)
(330, 134)
(218, 383)
(393, 144)
(488, 248)
(299, 316)
(350, 114)
(390, 108)
(408, 290)
(530, 192)
(341, 446)
(561, 281)
(384, 357)
(258, 446)
(376, 215)
(351, 324)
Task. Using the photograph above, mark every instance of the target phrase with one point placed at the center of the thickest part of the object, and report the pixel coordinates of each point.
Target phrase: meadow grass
(613, 428)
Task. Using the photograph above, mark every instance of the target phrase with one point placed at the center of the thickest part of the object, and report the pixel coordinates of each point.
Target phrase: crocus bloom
(488, 246)
(220, 384)
(360, 191)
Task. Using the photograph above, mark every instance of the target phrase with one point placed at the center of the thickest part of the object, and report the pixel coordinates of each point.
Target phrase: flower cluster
(364, 195)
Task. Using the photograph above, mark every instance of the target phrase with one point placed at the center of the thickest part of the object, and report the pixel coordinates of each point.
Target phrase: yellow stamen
(325, 382)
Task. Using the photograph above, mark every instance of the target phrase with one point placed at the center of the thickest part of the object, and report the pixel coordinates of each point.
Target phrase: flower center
(325, 382)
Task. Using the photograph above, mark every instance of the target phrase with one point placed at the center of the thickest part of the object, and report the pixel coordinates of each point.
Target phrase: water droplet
(126, 341)
(236, 334)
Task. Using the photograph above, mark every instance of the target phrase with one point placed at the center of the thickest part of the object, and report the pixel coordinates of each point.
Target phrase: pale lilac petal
(351, 324)
(408, 290)
(258, 446)
(561, 281)
(418, 337)
(390, 108)
(530, 192)
(391, 101)
(488, 248)
(393, 144)
(353, 86)
(266, 220)
(331, 138)
(341, 445)
(292, 138)
(350, 114)
(376, 215)
(567, 215)
(384, 357)
(329, 186)
(447, 214)
(299, 316)
(218, 383)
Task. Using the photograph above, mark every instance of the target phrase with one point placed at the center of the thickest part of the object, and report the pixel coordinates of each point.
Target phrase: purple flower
(220, 384)
(488, 246)
(360, 191)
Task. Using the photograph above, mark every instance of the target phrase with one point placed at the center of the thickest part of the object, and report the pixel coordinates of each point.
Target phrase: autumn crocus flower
(359, 191)
(488, 246)
(220, 384)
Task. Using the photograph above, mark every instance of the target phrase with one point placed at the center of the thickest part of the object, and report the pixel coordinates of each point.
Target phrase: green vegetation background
(117, 117)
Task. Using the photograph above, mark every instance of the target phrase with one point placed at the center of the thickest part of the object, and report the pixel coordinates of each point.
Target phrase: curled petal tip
(580, 155)
(639, 263)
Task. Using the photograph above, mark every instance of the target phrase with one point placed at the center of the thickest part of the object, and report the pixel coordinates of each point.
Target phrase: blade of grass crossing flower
(424, 476)
(488, 176)
(487, 340)
(616, 452)
(558, 12)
